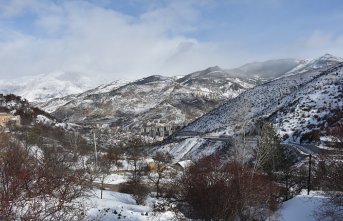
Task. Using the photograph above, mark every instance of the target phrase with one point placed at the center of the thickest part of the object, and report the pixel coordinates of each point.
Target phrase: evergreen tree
(269, 153)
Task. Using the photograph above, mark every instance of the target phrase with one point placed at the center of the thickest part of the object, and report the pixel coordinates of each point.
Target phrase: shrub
(138, 191)
(228, 191)
(311, 136)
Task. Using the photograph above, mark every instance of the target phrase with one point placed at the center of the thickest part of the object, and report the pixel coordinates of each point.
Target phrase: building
(183, 165)
(2, 101)
(159, 131)
(5, 118)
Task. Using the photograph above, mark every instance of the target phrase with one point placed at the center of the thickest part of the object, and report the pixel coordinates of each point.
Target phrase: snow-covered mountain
(151, 101)
(299, 98)
(302, 105)
(54, 103)
(268, 98)
(158, 100)
(266, 70)
(43, 87)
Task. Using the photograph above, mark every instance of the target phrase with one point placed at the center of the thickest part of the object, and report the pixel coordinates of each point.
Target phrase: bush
(311, 136)
(43, 188)
(329, 177)
(228, 191)
(138, 191)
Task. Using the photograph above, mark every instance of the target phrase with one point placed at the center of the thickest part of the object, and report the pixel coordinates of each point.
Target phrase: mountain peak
(214, 68)
(329, 57)
(152, 78)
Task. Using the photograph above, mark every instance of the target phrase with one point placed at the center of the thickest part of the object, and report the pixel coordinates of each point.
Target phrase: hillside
(300, 104)
(17, 106)
(52, 104)
(267, 70)
(151, 101)
(268, 98)
(161, 101)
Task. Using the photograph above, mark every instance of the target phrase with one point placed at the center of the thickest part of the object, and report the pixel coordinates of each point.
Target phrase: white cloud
(81, 37)
(12, 8)
(51, 23)
(313, 45)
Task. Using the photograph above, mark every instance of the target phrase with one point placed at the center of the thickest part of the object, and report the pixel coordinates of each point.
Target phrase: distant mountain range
(302, 105)
(41, 88)
(160, 101)
(151, 101)
(269, 97)
(300, 97)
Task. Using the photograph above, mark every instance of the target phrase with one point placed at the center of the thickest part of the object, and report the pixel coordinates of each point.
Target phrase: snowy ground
(302, 208)
(121, 206)
(114, 179)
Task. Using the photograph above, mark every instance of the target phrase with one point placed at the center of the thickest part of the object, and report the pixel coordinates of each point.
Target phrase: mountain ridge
(302, 107)
(41, 88)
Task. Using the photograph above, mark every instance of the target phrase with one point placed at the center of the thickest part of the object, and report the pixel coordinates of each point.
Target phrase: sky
(129, 39)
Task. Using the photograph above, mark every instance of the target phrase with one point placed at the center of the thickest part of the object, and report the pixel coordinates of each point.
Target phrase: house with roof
(6, 118)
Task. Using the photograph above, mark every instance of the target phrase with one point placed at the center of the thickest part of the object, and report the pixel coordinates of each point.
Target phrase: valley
(148, 134)
(171, 110)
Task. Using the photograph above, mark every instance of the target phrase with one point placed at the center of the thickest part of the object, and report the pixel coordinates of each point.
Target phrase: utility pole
(96, 152)
(309, 175)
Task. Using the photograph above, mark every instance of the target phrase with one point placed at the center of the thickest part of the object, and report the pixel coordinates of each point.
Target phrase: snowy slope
(43, 87)
(158, 100)
(190, 149)
(298, 104)
(120, 206)
(266, 70)
(302, 207)
(311, 107)
(53, 104)
(266, 99)
(324, 61)
(151, 101)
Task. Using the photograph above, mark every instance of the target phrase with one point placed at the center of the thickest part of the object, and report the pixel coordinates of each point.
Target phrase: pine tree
(268, 152)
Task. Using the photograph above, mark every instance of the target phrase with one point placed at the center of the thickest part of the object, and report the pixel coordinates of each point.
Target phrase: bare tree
(242, 124)
(136, 152)
(115, 154)
(330, 176)
(336, 134)
(38, 189)
(157, 173)
(103, 170)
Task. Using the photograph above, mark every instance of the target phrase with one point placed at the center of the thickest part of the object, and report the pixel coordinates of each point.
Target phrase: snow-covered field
(121, 206)
(114, 179)
(302, 208)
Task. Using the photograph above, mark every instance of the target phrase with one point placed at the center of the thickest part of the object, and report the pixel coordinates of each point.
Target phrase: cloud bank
(101, 40)
(83, 37)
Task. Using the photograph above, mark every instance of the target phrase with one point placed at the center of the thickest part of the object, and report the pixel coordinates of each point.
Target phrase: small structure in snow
(5, 118)
(182, 165)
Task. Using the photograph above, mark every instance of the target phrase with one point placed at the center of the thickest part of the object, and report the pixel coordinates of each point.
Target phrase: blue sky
(127, 39)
